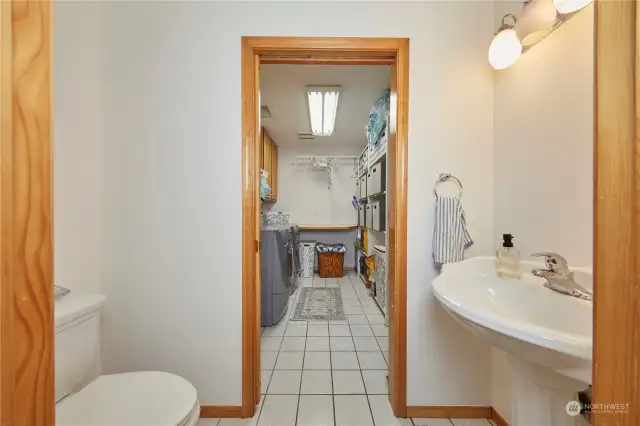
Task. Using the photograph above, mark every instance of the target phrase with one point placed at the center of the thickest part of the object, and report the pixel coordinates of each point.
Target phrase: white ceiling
(283, 90)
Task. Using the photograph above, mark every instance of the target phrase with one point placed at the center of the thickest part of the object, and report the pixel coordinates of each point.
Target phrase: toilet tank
(77, 341)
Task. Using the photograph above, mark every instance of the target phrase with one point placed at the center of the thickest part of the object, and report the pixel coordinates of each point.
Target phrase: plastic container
(508, 259)
(307, 258)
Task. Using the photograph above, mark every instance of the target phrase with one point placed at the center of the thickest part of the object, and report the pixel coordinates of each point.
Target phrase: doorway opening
(392, 53)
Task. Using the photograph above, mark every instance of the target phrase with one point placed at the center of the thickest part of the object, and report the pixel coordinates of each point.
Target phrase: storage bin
(330, 260)
(307, 258)
(376, 179)
(380, 274)
(378, 215)
(274, 218)
(368, 219)
(361, 215)
(363, 186)
(331, 265)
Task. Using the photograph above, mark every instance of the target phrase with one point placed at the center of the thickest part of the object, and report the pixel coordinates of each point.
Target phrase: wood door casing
(616, 317)
(26, 216)
(335, 50)
(397, 229)
(257, 377)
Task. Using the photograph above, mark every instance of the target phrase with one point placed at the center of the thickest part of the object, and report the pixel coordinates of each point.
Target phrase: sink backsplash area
(274, 218)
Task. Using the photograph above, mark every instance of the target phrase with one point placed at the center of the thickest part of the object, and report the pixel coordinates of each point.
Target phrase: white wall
(171, 178)
(544, 154)
(544, 144)
(76, 145)
(303, 192)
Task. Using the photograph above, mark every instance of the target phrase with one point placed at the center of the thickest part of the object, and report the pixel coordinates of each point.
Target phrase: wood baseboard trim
(447, 411)
(497, 418)
(220, 411)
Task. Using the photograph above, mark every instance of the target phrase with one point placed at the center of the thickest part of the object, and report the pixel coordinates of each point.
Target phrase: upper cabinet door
(274, 170)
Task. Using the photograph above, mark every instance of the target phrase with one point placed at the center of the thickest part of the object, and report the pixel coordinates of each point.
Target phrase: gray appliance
(295, 249)
(276, 268)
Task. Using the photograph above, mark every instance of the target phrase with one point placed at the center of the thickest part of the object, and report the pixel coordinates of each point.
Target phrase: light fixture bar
(323, 106)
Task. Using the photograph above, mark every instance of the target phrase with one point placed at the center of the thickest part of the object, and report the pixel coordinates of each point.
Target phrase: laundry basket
(307, 258)
(331, 260)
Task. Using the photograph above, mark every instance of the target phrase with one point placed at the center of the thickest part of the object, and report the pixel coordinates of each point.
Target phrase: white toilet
(85, 398)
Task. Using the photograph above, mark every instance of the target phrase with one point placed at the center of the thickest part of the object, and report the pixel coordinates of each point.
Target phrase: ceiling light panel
(323, 107)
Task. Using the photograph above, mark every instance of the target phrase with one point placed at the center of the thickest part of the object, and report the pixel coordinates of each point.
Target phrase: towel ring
(443, 177)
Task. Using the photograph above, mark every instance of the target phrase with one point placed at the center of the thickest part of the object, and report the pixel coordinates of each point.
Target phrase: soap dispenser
(508, 259)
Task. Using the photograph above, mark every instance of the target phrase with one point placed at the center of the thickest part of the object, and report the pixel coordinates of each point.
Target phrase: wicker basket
(331, 264)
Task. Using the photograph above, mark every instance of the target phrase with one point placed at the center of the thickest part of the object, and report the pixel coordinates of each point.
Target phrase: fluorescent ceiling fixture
(323, 105)
(569, 6)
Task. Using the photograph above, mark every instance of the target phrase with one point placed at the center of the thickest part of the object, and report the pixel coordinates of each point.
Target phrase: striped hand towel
(450, 235)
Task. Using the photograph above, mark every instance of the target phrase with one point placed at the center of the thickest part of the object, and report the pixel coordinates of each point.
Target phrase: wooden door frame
(616, 316)
(327, 51)
(26, 223)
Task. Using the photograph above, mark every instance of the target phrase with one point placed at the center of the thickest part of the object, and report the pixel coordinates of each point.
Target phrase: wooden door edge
(26, 215)
(250, 205)
(616, 306)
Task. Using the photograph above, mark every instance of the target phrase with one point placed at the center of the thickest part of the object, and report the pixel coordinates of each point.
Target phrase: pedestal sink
(546, 335)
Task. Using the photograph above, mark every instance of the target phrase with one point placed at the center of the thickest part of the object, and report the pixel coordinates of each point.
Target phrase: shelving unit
(368, 158)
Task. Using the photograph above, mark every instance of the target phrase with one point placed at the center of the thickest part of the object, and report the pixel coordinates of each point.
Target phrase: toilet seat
(150, 398)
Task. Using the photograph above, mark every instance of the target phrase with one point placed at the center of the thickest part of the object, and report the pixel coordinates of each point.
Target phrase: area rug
(318, 304)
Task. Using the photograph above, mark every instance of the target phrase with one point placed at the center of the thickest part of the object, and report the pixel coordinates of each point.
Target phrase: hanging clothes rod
(311, 158)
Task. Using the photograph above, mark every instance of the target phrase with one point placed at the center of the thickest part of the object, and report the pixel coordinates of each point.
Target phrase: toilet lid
(150, 398)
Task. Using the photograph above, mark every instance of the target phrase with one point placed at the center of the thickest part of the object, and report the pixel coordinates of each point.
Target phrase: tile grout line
(361, 373)
(304, 355)
(366, 392)
(333, 395)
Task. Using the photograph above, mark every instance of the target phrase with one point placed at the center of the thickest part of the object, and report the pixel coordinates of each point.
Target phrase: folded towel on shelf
(450, 235)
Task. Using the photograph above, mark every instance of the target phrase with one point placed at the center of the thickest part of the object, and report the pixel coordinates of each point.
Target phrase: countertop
(307, 227)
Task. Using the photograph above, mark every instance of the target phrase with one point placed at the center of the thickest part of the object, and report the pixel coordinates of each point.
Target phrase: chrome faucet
(559, 277)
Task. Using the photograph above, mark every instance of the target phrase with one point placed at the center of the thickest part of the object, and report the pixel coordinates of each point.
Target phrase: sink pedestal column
(540, 396)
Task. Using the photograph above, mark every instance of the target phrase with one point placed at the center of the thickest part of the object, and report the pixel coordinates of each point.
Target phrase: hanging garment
(450, 235)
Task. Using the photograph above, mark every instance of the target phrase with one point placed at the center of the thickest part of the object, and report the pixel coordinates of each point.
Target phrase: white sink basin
(526, 320)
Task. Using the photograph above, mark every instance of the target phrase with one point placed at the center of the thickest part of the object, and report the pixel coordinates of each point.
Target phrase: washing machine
(276, 269)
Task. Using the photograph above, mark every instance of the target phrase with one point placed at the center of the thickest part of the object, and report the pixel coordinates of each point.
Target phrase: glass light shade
(537, 21)
(569, 6)
(505, 49)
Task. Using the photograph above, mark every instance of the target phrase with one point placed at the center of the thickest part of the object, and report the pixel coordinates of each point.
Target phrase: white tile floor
(317, 373)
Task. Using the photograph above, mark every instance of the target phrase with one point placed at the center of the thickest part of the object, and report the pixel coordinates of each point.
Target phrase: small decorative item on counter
(508, 259)
(331, 260)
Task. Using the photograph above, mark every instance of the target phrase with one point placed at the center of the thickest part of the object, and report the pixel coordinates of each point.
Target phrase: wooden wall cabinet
(269, 163)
